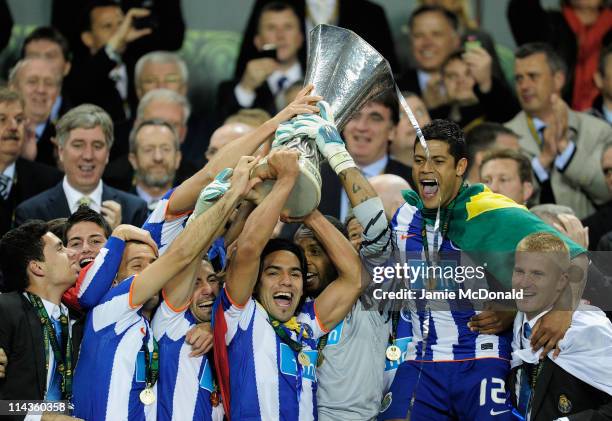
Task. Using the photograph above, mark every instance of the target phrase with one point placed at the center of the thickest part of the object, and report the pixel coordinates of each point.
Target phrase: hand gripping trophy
(347, 72)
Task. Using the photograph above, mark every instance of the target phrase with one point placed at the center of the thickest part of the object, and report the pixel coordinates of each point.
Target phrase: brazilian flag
(488, 226)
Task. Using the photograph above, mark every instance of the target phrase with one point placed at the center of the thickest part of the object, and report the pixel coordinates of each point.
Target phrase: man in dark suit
(84, 136)
(433, 37)
(577, 384)
(265, 78)
(103, 75)
(40, 269)
(20, 179)
(367, 137)
(39, 82)
(365, 18)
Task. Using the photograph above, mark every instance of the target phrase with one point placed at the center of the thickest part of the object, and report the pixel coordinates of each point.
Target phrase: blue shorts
(457, 390)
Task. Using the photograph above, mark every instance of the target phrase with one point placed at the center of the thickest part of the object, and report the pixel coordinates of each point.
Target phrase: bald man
(224, 135)
(389, 188)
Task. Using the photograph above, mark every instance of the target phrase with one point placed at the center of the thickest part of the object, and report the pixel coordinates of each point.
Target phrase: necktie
(54, 391)
(84, 201)
(5, 184)
(526, 330)
(281, 83)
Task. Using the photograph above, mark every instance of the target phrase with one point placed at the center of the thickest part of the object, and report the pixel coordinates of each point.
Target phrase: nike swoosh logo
(494, 413)
(406, 236)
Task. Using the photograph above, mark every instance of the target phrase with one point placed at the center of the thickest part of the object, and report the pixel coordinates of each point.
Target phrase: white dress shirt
(375, 168)
(293, 74)
(10, 173)
(73, 196)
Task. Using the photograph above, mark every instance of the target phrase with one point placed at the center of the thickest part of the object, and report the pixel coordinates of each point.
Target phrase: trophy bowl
(347, 72)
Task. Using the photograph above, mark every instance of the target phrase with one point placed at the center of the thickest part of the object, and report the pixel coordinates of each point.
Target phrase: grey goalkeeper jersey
(350, 379)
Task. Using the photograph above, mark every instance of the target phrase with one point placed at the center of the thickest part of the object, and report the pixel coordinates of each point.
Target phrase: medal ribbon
(151, 361)
(63, 363)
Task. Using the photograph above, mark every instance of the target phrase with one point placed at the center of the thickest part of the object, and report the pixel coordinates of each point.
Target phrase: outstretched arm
(242, 273)
(186, 194)
(190, 244)
(334, 303)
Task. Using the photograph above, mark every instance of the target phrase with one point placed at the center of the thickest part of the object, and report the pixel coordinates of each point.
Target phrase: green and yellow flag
(488, 226)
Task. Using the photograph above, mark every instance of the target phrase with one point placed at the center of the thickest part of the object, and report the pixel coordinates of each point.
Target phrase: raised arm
(367, 206)
(190, 244)
(177, 291)
(186, 194)
(334, 303)
(244, 263)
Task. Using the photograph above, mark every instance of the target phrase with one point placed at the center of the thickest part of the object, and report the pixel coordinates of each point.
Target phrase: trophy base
(306, 193)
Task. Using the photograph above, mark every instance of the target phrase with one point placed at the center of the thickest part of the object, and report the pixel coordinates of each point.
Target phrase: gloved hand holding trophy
(347, 72)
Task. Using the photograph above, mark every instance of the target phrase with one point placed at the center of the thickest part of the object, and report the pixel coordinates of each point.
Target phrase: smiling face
(84, 156)
(280, 286)
(437, 181)
(321, 271)
(540, 277)
(206, 289)
(12, 124)
(368, 133)
(85, 239)
(433, 40)
(39, 82)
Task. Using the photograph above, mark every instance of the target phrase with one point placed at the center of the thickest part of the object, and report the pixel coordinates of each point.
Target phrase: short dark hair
(86, 214)
(452, 18)
(554, 60)
(524, 165)
(455, 55)
(449, 133)
(277, 6)
(18, 248)
(58, 227)
(48, 33)
(388, 99)
(482, 138)
(278, 244)
(603, 57)
(89, 7)
(333, 220)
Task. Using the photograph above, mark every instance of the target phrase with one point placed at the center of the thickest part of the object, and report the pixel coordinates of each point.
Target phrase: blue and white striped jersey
(110, 373)
(440, 331)
(267, 382)
(185, 383)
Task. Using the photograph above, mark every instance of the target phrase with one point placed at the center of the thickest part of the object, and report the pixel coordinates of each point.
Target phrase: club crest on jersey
(565, 405)
(288, 362)
(386, 402)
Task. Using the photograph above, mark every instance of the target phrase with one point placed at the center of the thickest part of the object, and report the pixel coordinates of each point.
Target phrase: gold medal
(393, 353)
(147, 396)
(303, 358)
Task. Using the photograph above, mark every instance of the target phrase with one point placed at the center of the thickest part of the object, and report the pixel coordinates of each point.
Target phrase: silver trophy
(347, 72)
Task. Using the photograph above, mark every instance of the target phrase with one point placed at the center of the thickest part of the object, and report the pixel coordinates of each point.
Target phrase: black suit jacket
(30, 179)
(332, 187)
(52, 204)
(21, 337)
(227, 103)
(586, 402)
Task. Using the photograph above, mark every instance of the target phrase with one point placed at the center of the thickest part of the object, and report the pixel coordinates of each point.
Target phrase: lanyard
(534, 132)
(63, 364)
(151, 361)
(394, 322)
(445, 224)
